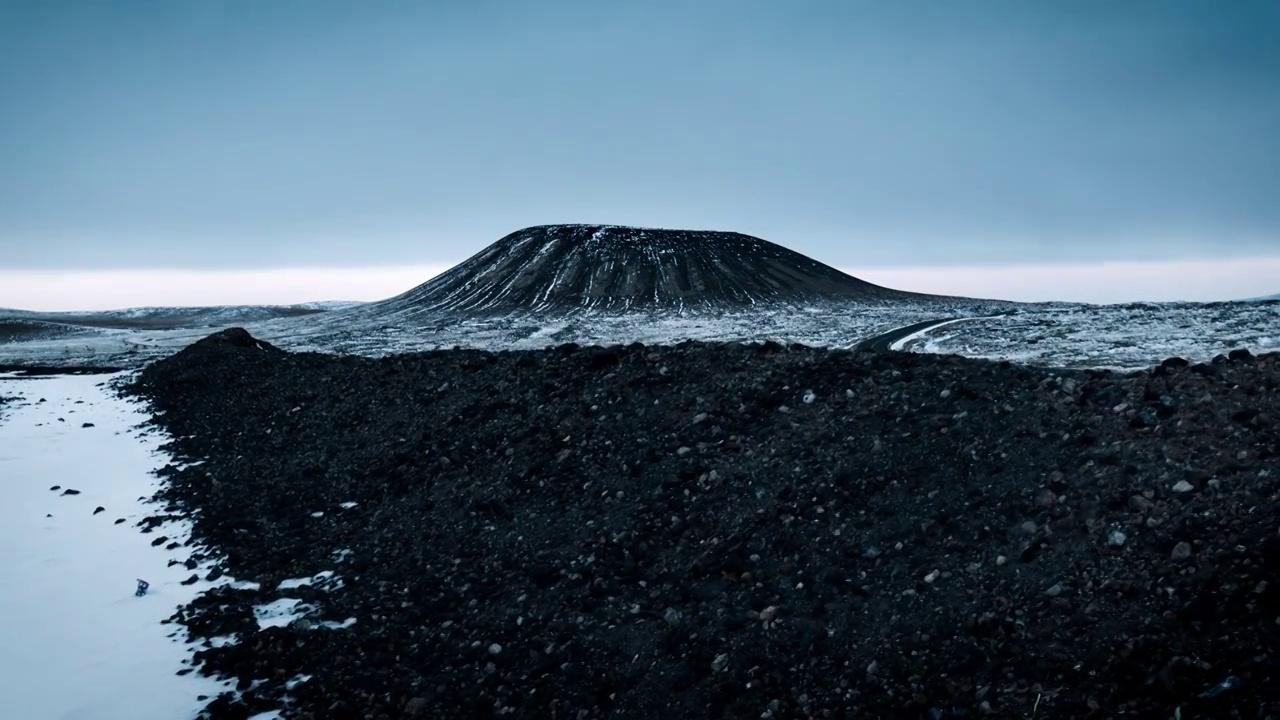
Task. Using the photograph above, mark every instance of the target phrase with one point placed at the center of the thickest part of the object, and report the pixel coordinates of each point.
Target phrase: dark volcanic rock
(731, 531)
(605, 266)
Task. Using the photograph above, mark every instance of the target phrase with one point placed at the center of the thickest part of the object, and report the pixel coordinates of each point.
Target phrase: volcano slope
(730, 530)
(607, 267)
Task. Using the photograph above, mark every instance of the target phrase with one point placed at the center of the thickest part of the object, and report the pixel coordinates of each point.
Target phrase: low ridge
(614, 267)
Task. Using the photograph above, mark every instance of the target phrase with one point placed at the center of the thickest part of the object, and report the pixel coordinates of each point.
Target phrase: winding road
(895, 340)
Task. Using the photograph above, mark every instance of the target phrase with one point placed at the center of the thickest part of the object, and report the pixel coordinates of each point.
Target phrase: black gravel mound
(732, 531)
(609, 267)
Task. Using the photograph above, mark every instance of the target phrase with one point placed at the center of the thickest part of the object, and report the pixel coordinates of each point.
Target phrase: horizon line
(1095, 283)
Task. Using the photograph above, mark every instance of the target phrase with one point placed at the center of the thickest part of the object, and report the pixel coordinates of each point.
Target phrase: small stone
(70, 491)
(1137, 503)
(931, 577)
(1116, 538)
(495, 649)
(191, 580)
(1001, 559)
(699, 418)
(87, 425)
(944, 394)
(415, 706)
(118, 521)
(1029, 527)
(720, 663)
(1054, 590)
(809, 397)
(99, 509)
(1182, 486)
(1181, 552)
(55, 488)
(1046, 498)
(769, 613)
(683, 450)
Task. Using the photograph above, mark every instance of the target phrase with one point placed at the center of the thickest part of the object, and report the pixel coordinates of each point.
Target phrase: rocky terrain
(728, 530)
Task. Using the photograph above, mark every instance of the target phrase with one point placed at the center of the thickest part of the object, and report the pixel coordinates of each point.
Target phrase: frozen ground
(76, 643)
(1115, 336)
(1058, 335)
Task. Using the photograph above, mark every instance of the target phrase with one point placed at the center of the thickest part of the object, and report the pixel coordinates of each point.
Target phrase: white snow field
(1051, 334)
(75, 641)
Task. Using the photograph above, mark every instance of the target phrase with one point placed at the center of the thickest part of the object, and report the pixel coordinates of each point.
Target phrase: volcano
(566, 267)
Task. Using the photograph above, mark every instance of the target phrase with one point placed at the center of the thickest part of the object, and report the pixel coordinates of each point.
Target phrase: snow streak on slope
(622, 268)
(75, 642)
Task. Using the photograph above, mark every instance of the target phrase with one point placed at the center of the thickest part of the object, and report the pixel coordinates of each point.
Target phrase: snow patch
(78, 642)
(318, 578)
(280, 613)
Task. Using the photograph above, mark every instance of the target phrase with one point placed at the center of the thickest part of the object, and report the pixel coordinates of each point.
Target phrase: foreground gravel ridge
(731, 531)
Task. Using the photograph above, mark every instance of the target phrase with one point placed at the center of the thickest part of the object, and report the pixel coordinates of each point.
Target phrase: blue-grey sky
(286, 133)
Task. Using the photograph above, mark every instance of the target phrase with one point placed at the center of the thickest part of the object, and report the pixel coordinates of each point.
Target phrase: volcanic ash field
(721, 530)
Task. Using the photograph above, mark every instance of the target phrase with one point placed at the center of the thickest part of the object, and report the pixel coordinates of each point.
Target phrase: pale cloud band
(1110, 282)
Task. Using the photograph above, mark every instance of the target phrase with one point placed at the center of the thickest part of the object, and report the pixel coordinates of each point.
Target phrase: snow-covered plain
(1123, 337)
(1056, 335)
(75, 641)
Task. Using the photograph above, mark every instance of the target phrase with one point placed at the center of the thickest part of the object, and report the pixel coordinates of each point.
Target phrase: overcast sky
(260, 135)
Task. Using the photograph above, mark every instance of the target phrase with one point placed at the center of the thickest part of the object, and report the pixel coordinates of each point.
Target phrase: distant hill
(161, 318)
(613, 267)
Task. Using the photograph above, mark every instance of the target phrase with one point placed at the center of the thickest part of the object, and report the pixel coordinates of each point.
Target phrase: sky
(320, 149)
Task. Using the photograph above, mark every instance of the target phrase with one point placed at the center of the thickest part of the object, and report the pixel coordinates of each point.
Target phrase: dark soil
(714, 530)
